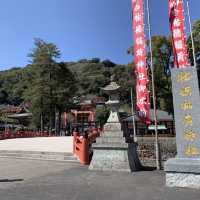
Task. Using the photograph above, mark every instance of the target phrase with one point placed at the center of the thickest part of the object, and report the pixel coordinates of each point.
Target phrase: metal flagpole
(191, 33)
(133, 117)
(153, 90)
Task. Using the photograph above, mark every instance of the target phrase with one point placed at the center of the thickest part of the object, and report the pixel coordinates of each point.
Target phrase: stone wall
(146, 150)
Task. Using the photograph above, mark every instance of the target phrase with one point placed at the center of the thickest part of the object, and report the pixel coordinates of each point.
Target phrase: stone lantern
(111, 152)
(112, 91)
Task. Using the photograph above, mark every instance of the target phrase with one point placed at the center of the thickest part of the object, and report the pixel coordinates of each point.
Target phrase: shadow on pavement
(10, 180)
(148, 168)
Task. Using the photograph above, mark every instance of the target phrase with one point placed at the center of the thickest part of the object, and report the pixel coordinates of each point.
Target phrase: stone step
(51, 156)
(117, 146)
(36, 152)
(38, 156)
(111, 140)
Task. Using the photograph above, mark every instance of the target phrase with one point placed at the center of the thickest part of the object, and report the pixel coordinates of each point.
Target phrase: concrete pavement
(43, 180)
(41, 144)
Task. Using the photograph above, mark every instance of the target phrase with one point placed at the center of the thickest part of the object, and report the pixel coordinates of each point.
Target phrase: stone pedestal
(112, 153)
(184, 170)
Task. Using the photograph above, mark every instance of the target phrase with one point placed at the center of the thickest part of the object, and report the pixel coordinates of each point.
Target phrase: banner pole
(133, 117)
(153, 91)
(191, 34)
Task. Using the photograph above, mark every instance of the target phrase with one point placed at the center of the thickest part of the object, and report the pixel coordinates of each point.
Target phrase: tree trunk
(41, 123)
(59, 121)
(56, 121)
(50, 122)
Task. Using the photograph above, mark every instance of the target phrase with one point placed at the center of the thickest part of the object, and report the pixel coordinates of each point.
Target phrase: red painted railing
(81, 145)
(23, 134)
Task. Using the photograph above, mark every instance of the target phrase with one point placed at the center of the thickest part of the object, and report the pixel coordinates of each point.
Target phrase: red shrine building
(85, 111)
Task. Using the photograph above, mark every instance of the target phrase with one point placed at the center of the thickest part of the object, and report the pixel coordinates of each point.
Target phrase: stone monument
(184, 170)
(111, 152)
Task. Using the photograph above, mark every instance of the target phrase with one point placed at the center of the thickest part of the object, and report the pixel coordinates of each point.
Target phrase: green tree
(9, 79)
(102, 115)
(51, 87)
(162, 61)
(93, 76)
(124, 76)
(65, 90)
(196, 36)
(3, 97)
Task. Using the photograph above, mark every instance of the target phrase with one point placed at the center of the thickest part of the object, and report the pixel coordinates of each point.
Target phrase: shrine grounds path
(50, 180)
(39, 144)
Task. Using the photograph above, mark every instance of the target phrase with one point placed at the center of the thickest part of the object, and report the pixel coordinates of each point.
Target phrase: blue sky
(80, 28)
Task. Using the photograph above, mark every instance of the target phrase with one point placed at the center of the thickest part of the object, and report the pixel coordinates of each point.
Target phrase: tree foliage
(46, 84)
(162, 62)
(196, 36)
(52, 87)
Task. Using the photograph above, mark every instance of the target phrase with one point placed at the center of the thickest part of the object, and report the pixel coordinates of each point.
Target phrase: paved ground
(42, 180)
(49, 144)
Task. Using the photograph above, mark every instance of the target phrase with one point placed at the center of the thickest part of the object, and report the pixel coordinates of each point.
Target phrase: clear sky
(80, 28)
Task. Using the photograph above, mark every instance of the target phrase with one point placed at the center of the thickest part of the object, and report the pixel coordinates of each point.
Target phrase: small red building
(85, 111)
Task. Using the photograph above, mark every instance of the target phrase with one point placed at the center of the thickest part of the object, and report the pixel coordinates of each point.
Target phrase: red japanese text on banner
(176, 18)
(142, 93)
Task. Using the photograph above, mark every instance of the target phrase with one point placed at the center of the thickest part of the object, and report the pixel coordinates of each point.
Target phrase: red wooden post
(84, 157)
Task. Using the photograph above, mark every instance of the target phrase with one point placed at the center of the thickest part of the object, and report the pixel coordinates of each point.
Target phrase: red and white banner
(142, 93)
(176, 17)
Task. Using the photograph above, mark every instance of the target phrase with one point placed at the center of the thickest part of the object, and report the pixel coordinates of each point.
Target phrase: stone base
(110, 160)
(185, 180)
(115, 159)
(183, 165)
(183, 172)
(112, 153)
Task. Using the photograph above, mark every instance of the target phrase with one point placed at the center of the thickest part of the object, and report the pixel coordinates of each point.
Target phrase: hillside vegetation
(50, 87)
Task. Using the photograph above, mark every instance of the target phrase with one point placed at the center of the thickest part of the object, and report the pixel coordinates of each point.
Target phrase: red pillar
(84, 157)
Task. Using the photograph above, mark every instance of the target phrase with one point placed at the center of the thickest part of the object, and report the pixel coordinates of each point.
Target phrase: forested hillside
(89, 76)
(49, 86)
